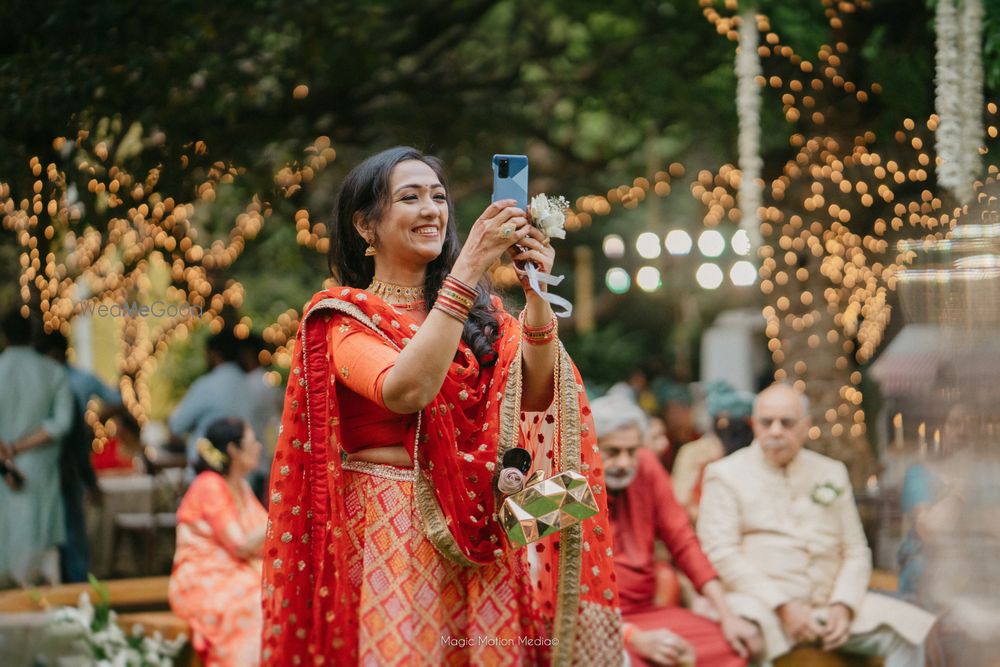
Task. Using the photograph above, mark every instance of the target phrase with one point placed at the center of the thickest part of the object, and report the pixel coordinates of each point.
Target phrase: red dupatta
(456, 442)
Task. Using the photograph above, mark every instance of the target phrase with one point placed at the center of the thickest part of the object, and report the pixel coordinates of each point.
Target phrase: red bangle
(542, 335)
(457, 285)
(627, 631)
(451, 307)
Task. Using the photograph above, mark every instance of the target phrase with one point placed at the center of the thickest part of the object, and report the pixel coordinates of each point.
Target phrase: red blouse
(362, 363)
(643, 511)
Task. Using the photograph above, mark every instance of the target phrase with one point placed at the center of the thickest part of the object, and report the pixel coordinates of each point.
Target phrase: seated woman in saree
(406, 388)
(215, 584)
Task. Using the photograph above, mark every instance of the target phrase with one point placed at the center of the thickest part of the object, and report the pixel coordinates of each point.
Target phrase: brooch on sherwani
(824, 494)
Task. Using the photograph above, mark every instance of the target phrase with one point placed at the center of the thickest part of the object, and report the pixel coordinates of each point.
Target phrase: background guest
(222, 392)
(729, 430)
(75, 467)
(36, 412)
(215, 584)
(266, 414)
(931, 499)
(642, 507)
(656, 438)
(780, 525)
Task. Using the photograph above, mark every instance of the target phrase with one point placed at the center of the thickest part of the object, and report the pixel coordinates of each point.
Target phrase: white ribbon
(537, 278)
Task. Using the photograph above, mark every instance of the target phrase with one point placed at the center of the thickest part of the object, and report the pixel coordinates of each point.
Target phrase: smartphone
(510, 179)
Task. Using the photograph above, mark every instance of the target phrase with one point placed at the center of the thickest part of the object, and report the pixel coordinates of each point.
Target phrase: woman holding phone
(384, 546)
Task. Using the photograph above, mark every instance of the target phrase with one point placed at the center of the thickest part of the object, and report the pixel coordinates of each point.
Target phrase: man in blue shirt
(222, 392)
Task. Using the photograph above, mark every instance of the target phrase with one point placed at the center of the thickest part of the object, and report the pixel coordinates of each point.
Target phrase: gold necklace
(397, 295)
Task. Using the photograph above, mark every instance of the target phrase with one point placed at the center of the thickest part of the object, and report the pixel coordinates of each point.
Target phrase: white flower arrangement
(959, 94)
(548, 214)
(824, 494)
(107, 644)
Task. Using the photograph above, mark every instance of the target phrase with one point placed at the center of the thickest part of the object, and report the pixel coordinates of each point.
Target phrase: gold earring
(370, 250)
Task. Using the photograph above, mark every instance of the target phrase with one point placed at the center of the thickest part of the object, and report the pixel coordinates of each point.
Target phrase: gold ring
(506, 231)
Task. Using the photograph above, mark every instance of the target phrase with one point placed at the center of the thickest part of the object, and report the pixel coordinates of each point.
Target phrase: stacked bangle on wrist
(455, 299)
(542, 335)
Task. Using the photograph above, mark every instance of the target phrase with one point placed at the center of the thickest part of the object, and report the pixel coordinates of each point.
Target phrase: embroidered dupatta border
(571, 538)
(570, 549)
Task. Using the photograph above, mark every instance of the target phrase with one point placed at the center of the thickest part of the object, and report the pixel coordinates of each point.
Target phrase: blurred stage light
(648, 279)
(613, 246)
(741, 243)
(709, 275)
(617, 280)
(743, 273)
(711, 243)
(648, 245)
(678, 242)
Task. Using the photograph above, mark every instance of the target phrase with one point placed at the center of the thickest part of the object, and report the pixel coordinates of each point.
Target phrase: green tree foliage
(582, 86)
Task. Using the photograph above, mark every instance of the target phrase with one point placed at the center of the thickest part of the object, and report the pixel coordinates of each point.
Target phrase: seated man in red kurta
(642, 507)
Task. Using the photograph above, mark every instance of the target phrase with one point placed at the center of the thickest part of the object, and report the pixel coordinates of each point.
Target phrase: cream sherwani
(777, 535)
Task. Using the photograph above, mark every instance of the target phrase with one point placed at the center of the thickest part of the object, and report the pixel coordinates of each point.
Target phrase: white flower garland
(748, 111)
(971, 53)
(959, 95)
(946, 78)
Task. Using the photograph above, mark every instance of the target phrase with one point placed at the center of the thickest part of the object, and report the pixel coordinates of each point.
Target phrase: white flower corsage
(548, 214)
(824, 494)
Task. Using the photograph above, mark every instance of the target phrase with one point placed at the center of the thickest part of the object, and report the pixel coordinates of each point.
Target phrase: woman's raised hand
(499, 227)
(532, 248)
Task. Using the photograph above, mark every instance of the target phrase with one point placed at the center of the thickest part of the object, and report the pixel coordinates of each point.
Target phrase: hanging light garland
(144, 228)
(971, 91)
(959, 94)
(748, 72)
(846, 314)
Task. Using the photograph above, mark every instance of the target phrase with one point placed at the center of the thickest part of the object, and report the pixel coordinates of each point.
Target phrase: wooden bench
(814, 657)
(147, 593)
(142, 600)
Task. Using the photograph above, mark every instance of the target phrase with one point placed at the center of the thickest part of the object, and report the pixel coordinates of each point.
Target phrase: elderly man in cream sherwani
(780, 525)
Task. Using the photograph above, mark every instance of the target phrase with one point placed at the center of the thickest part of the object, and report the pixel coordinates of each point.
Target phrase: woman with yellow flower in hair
(215, 584)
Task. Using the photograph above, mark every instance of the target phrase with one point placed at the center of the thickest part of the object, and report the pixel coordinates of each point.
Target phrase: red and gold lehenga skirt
(408, 592)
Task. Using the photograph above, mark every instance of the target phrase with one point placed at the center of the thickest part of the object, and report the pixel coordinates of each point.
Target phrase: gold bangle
(455, 296)
(454, 304)
(471, 291)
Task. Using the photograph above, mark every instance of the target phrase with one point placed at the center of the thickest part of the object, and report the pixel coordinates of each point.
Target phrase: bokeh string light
(834, 214)
(830, 221)
(73, 259)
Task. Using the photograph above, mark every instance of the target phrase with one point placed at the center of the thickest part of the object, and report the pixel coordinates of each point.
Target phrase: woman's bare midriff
(392, 456)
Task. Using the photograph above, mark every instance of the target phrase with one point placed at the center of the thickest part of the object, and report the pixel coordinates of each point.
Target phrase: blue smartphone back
(510, 179)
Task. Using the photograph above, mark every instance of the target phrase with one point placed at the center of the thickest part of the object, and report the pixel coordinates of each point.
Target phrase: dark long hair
(365, 190)
(221, 433)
